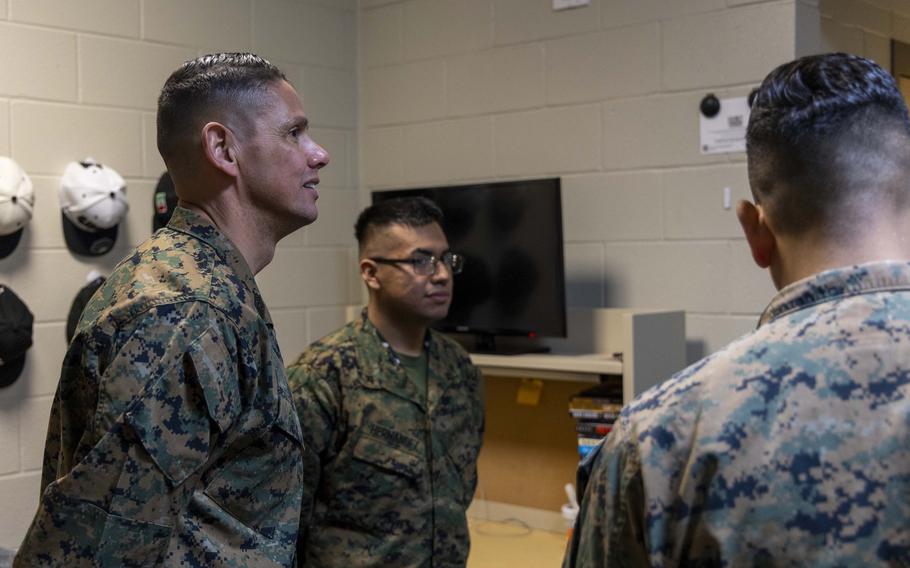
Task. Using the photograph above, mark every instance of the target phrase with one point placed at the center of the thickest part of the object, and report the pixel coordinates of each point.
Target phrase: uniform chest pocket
(398, 458)
(390, 478)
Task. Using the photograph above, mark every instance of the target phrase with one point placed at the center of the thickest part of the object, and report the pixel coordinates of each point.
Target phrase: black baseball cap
(79, 302)
(164, 202)
(15, 335)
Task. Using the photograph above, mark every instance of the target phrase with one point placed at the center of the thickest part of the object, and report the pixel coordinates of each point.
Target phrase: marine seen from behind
(173, 438)
(790, 446)
(392, 411)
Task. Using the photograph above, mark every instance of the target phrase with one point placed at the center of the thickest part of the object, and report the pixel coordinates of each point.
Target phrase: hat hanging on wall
(95, 280)
(164, 202)
(15, 335)
(17, 200)
(93, 199)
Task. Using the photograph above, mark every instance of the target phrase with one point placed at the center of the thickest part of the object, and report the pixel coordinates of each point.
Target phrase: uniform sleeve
(316, 390)
(153, 427)
(173, 420)
(609, 530)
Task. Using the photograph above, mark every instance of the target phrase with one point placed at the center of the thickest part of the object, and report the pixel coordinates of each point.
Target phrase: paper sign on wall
(726, 131)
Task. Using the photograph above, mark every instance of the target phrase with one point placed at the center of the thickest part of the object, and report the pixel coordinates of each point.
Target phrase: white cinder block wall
(605, 96)
(864, 27)
(449, 91)
(81, 79)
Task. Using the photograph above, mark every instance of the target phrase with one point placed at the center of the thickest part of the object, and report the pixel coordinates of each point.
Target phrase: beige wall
(82, 78)
(605, 96)
(862, 27)
(447, 91)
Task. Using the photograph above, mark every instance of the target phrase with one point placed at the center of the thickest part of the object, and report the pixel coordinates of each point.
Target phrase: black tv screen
(510, 234)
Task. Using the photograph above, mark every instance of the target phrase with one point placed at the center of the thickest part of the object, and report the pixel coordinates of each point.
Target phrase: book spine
(586, 445)
(593, 428)
(582, 414)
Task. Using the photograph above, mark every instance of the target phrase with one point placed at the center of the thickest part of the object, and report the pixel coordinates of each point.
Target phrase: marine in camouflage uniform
(392, 471)
(391, 451)
(788, 447)
(173, 438)
(791, 446)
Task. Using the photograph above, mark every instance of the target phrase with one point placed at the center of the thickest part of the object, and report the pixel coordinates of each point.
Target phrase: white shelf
(652, 344)
(588, 367)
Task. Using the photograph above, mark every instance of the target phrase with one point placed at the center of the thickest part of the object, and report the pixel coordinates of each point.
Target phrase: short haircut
(828, 144)
(216, 82)
(408, 211)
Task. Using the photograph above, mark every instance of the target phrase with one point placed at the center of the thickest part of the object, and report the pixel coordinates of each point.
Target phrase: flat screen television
(513, 283)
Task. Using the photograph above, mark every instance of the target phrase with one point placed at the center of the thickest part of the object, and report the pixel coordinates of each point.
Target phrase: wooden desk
(530, 452)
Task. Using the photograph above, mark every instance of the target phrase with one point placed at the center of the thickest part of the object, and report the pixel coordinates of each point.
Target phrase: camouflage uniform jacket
(789, 447)
(389, 475)
(173, 438)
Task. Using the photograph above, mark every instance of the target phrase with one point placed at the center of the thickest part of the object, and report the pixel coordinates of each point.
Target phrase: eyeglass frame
(427, 260)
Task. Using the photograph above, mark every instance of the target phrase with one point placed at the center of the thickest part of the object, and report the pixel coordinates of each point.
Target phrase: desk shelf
(644, 347)
(583, 368)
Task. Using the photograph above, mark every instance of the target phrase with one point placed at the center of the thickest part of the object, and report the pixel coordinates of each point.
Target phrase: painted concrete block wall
(862, 27)
(605, 96)
(81, 79)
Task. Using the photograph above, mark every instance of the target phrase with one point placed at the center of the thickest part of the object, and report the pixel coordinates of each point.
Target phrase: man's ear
(761, 239)
(368, 273)
(218, 142)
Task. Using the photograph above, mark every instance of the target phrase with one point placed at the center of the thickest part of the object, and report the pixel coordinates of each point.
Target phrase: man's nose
(318, 157)
(441, 271)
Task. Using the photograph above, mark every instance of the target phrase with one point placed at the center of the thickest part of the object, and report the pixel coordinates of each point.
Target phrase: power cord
(491, 527)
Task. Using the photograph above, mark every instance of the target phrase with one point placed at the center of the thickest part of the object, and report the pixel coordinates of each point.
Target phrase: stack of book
(594, 410)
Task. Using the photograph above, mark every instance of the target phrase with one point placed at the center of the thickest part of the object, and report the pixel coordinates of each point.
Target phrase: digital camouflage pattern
(790, 447)
(389, 476)
(173, 438)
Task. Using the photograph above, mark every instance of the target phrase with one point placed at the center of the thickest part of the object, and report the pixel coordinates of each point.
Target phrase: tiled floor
(508, 544)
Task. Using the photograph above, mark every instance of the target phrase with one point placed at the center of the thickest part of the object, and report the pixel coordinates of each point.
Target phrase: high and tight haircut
(215, 81)
(828, 135)
(411, 212)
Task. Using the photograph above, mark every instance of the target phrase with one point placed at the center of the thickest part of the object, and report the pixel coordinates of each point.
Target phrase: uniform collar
(384, 368)
(835, 284)
(372, 330)
(200, 227)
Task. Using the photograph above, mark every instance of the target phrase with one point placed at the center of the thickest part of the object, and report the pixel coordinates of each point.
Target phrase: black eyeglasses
(426, 265)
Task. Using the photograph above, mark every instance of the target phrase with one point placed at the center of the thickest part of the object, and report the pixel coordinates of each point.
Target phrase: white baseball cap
(17, 200)
(93, 200)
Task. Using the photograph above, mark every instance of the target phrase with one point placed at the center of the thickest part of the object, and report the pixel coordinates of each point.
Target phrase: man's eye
(294, 133)
(423, 261)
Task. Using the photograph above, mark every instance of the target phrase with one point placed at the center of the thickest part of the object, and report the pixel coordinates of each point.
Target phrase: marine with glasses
(392, 411)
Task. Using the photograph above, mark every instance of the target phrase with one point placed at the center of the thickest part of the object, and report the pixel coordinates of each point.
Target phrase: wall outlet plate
(566, 4)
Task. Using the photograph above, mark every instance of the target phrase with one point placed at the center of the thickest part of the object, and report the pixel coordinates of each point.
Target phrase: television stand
(485, 343)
